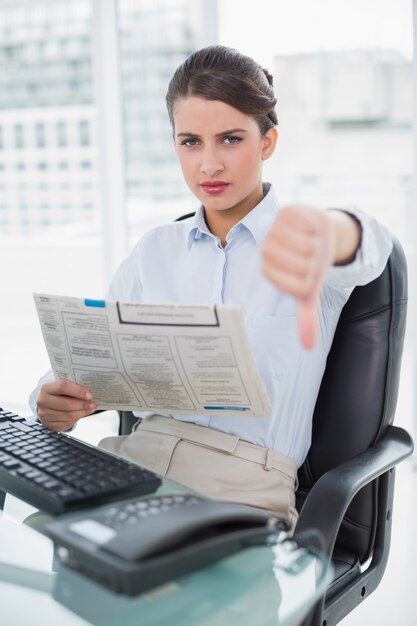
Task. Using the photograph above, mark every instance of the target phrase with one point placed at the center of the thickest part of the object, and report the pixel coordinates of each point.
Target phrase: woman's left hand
(297, 253)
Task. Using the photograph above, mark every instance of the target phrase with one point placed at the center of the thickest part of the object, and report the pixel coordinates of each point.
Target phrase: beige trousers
(216, 464)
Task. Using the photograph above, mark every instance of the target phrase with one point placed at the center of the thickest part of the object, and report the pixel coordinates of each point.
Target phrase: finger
(63, 404)
(282, 236)
(290, 283)
(58, 421)
(58, 427)
(301, 218)
(68, 388)
(291, 262)
(308, 310)
(307, 322)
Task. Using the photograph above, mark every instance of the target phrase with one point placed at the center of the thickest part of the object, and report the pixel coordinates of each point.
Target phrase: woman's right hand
(62, 403)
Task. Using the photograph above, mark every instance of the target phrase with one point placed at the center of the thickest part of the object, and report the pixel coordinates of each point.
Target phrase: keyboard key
(28, 456)
(52, 469)
(22, 427)
(89, 489)
(13, 439)
(11, 463)
(67, 492)
(9, 448)
(42, 479)
(61, 474)
(19, 452)
(24, 469)
(51, 484)
(43, 464)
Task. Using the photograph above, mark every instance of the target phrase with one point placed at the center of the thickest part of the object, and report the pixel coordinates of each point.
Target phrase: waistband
(218, 440)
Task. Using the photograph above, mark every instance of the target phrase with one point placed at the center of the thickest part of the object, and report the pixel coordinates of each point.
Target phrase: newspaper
(176, 359)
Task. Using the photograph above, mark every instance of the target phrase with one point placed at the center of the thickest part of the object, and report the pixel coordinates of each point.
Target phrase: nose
(211, 164)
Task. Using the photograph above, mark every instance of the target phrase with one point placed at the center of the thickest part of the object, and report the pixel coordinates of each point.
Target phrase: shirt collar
(257, 222)
(260, 219)
(198, 227)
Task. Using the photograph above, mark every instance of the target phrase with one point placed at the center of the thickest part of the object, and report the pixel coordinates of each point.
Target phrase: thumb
(308, 305)
(308, 317)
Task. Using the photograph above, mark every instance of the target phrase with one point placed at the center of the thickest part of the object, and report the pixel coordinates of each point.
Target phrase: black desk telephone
(133, 546)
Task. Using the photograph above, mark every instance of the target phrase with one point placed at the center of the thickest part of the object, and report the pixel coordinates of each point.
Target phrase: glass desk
(260, 586)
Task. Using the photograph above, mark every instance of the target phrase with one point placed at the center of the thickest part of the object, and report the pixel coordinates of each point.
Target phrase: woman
(291, 270)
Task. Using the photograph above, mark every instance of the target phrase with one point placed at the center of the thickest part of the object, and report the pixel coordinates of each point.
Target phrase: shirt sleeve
(46, 378)
(370, 259)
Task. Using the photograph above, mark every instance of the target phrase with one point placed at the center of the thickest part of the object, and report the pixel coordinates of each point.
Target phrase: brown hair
(225, 74)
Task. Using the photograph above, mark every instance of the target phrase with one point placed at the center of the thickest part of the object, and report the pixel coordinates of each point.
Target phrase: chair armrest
(330, 497)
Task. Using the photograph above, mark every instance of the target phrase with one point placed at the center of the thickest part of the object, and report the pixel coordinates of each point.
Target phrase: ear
(269, 141)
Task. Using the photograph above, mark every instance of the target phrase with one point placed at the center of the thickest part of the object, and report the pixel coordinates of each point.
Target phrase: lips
(214, 187)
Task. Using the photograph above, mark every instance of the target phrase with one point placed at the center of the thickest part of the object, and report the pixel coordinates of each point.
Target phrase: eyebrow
(224, 132)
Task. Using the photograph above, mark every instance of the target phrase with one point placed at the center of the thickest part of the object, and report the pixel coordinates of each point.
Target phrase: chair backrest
(358, 393)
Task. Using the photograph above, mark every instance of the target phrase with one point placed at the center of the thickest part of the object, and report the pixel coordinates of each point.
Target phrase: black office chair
(347, 481)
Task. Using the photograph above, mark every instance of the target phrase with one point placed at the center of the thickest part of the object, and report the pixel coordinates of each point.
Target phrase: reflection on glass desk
(262, 586)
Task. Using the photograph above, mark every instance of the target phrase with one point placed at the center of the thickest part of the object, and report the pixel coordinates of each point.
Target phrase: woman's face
(221, 151)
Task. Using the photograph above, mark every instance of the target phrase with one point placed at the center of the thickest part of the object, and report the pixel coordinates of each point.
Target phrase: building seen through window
(61, 134)
(18, 136)
(155, 37)
(47, 109)
(44, 99)
(346, 139)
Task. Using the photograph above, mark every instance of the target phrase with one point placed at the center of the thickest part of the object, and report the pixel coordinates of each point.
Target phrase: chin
(216, 206)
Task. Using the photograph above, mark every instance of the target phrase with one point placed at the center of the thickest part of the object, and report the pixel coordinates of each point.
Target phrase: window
(84, 132)
(155, 37)
(18, 136)
(61, 134)
(39, 111)
(40, 135)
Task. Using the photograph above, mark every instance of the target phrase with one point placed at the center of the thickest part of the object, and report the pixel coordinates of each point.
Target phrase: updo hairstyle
(225, 74)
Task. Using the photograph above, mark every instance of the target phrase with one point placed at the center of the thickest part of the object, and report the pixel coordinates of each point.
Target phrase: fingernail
(92, 406)
(88, 395)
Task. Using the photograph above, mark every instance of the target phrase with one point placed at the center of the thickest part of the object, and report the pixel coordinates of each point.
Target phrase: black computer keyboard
(56, 473)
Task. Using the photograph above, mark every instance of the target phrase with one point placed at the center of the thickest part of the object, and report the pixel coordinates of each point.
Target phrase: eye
(192, 141)
(230, 139)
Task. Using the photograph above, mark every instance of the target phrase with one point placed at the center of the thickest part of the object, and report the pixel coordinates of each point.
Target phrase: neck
(220, 222)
